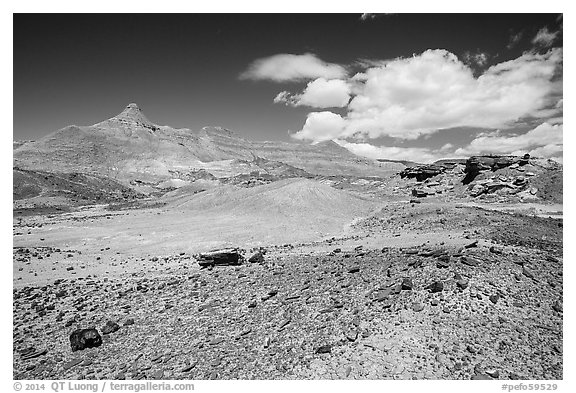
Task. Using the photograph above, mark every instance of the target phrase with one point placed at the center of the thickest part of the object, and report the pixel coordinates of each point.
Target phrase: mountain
(131, 147)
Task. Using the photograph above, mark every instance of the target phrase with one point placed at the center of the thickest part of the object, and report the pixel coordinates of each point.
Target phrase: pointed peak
(133, 112)
(132, 115)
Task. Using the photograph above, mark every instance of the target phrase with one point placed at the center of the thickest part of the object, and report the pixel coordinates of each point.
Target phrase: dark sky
(183, 70)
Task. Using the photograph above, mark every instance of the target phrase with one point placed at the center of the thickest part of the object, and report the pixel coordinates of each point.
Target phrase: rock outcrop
(476, 164)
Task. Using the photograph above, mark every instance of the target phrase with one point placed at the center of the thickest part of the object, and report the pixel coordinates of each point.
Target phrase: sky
(414, 87)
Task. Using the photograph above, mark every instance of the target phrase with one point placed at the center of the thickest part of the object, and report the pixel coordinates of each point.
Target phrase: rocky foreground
(487, 306)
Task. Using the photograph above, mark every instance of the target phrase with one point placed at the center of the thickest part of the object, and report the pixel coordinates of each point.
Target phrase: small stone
(417, 307)
(436, 286)
(470, 261)
(129, 321)
(257, 257)
(352, 335)
(323, 349)
(494, 298)
(72, 363)
(407, 284)
(527, 272)
(347, 371)
(480, 377)
(557, 306)
(471, 245)
(462, 284)
(355, 269)
(110, 327)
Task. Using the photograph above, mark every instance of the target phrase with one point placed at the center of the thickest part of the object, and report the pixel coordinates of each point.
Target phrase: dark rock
(354, 269)
(495, 250)
(257, 257)
(436, 286)
(85, 338)
(323, 349)
(110, 327)
(225, 257)
(557, 306)
(471, 245)
(407, 284)
(494, 298)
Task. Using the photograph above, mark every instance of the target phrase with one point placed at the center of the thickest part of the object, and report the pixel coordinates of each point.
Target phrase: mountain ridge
(129, 146)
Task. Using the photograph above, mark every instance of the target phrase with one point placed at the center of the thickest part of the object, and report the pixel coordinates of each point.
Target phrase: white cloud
(321, 126)
(544, 37)
(446, 147)
(410, 97)
(289, 67)
(320, 93)
(416, 154)
(545, 140)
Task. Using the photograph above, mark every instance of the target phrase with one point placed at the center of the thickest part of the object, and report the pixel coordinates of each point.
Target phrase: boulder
(224, 257)
(85, 338)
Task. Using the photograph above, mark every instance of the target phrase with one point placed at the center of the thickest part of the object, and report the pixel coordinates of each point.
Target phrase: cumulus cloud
(545, 140)
(289, 67)
(320, 93)
(321, 126)
(544, 37)
(416, 154)
(410, 97)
